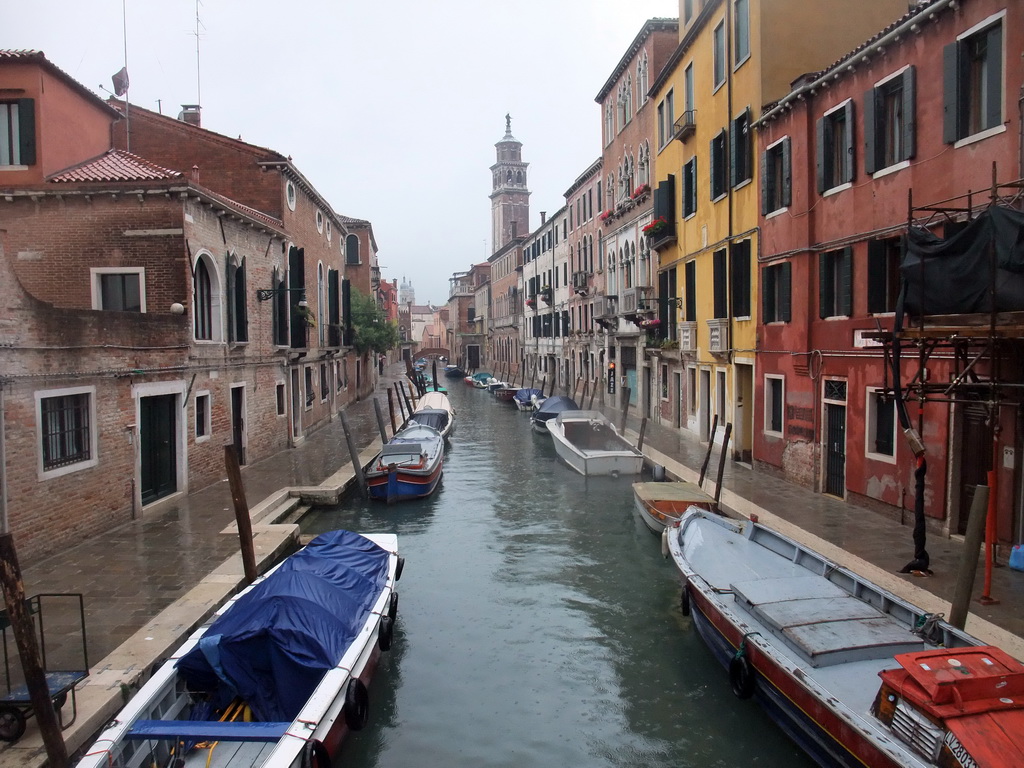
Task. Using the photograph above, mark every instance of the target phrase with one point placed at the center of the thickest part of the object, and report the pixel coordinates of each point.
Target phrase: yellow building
(734, 57)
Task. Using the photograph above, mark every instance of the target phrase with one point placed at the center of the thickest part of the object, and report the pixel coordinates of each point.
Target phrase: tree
(371, 330)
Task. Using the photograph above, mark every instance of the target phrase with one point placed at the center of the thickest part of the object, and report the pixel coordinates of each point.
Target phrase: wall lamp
(266, 294)
(676, 301)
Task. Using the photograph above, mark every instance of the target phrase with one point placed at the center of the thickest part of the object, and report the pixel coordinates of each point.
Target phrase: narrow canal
(538, 623)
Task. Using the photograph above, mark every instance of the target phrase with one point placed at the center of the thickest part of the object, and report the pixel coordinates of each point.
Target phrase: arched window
(642, 84)
(206, 300)
(628, 100)
(238, 315)
(609, 123)
(352, 249)
(519, 178)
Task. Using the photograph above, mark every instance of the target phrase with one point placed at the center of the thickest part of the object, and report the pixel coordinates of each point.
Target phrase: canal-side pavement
(148, 583)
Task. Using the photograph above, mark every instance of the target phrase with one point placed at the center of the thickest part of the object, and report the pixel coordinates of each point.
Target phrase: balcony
(632, 299)
(718, 343)
(688, 336)
(580, 282)
(460, 290)
(685, 126)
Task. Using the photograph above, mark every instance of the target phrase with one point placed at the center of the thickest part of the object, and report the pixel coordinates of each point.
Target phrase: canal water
(539, 624)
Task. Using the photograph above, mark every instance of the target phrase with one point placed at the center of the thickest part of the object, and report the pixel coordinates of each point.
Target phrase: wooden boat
(435, 410)
(278, 676)
(526, 398)
(479, 380)
(408, 466)
(589, 443)
(550, 408)
(454, 372)
(505, 393)
(810, 640)
(663, 504)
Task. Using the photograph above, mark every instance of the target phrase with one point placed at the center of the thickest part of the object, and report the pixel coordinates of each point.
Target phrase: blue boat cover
(553, 406)
(275, 644)
(526, 394)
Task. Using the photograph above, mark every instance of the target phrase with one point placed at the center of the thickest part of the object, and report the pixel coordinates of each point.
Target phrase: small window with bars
(66, 430)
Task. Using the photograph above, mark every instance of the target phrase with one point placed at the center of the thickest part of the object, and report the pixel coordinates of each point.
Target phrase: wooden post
(391, 410)
(707, 455)
(625, 409)
(969, 564)
(354, 453)
(28, 650)
(586, 388)
(575, 388)
(401, 400)
(640, 439)
(593, 393)
(380, 420)
(721, 462)
(533, 376)
(434, 369)
(242, 519)
(412, 398)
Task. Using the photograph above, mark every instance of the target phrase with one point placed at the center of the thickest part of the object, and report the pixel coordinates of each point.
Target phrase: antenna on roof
(199, 80)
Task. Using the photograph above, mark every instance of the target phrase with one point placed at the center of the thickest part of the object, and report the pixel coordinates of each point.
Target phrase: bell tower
(510, 197)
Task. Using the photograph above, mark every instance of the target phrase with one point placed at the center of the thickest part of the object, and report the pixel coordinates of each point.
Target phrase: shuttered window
(835, 283)
(721, 276)
(17, 132)
(776, 293)
(973, 83)
(834, 148)
(889, 126)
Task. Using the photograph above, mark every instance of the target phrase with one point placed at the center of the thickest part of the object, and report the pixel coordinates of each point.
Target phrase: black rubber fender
(385, 633)
(684, 600)
(393, 606)
(399, 568)
(741, 676)
(315, 755)
(357, 705)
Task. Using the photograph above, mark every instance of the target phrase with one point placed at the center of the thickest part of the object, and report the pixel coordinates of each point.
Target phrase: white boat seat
(822, 623)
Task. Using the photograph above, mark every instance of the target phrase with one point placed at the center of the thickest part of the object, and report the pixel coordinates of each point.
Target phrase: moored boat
(278, 676)
(505, 393)
(479, 380)
(810, 640)
(409, 465)
(663, 504)
(589, 443)
(435, 410)
(550, 408)
(454, 372)
(527, 397)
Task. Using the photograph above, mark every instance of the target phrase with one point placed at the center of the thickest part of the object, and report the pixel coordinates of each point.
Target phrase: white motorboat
(589, 443)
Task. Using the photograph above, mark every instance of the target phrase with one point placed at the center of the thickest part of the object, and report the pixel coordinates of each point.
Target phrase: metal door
(975, 458)
(835, 449)
(157, 438)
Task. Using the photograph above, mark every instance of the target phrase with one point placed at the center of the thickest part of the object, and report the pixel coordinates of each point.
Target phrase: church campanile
(510, 198)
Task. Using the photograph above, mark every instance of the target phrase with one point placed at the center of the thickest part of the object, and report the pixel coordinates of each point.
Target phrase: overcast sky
(391, 108)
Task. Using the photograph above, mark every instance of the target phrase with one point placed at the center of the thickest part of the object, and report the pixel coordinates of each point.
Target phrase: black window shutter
(691, 291)
(785, 292)
(766, 185)
(870, 156)
(820, 154)
(846, 283)
(825, 298)
(734, 139)
(768, 309)
(280, 312)
(229, 295)
(721, 280)
(333, 309)
(242, 309)
(740, 263)
(787, 173)
(27, 131)
(994, 76)
(346, 312)
(950, 93)
(296, 284)
(848, 145)
(714, 169)
(909, 113)
(876, 276)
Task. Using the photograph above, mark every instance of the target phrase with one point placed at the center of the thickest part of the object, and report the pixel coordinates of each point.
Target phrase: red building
(926, 110)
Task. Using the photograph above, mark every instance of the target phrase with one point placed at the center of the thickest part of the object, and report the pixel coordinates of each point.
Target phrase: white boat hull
(590, 444)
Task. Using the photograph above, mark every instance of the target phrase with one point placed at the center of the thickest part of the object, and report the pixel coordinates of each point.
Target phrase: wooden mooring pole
(380, 420)
(391, 410)
(357, 467)
(242, 519)
(969, 563)
(707, 456)
(28, 651)
(626, 392)
(643, 429)
(721, 462)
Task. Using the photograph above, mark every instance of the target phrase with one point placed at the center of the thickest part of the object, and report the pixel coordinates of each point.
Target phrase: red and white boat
(854, 674)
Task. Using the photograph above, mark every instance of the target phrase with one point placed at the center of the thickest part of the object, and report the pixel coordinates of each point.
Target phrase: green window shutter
(768, 309)
(713, 162)
(850, 171)
(994, 76)
(734, 139)
(909, 114)
(870, 151)
(766, 185)
(721, 277)
(846, 282)
(785, 292)
(825, 298)
(876, 276)
(27, 131)
(950, 93)
(787, 171)
(229, 295)
(820, 154)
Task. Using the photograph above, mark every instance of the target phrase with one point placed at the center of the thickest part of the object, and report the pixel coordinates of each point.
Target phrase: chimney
(543, 217)
(190, 114)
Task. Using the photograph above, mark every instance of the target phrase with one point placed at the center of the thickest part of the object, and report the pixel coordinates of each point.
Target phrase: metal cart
(16, 706)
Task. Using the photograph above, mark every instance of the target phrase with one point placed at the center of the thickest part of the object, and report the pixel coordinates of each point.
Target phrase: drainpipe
(4, 528)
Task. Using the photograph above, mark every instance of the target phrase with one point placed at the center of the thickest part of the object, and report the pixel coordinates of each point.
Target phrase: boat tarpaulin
(276, 642)
(526, 394)
(954, 275)
(553, 406)
(431, 417)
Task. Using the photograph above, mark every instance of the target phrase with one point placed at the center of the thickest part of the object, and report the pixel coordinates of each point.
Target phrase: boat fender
(385, 632)
(658, 473)
(400, 567)
(357, 705)
(664, 543)
(684, 600)
(315, 755)
(393, 606)
(741, 672)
